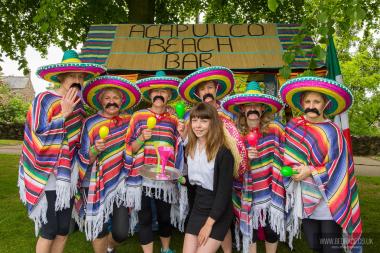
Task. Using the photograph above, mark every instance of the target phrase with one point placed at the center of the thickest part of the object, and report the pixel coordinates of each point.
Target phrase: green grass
(17, 231)
(10, 142)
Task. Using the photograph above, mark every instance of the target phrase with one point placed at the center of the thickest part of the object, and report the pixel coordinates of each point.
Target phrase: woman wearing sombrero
(209, 85)
(323, 195)
(263, 193)
(104, 162)
(47, 173)
(145, 138)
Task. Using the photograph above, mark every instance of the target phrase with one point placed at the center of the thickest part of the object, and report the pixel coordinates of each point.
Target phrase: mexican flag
(334, 73)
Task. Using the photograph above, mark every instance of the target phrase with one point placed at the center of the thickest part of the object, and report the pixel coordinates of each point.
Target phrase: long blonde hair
(215, 137)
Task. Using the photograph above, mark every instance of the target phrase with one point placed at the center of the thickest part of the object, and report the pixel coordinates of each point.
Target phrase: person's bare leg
(227, 242)
(211, 246)
(100, 244)
(111, 242)
(253, 248)
(165, 242)
(271, 247)
(190, 244)
(43, 245)
(59, 244)
(147, 248)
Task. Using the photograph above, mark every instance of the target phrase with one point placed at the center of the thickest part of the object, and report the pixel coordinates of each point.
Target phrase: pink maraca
(252, 138)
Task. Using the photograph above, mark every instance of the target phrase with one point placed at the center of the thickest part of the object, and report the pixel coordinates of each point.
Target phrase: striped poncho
(50, 145)
(164, 134)
(322, 147)
(263, 194)
(106, 176)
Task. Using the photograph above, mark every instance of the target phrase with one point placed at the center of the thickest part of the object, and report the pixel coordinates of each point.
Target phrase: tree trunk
(141, 11)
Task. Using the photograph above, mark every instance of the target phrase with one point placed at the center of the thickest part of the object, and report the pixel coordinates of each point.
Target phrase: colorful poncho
(50, 146)
(164, 133)
(107, 175)
(263, 194)
(322, 147)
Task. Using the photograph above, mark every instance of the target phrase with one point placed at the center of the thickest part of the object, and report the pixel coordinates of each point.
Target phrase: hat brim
(165, 82)
(50, 72)
(340, 96)
(188, 86)
(92, 90)
(233, 103)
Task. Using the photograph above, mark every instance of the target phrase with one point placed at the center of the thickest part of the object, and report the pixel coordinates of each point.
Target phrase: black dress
(217, 203)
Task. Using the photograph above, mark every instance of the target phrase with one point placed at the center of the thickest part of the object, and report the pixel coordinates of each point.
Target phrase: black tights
(145, 219)
(323, 236)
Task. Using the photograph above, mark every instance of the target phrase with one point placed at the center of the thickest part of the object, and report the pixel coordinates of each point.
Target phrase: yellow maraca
(103, 132)
(151, 122)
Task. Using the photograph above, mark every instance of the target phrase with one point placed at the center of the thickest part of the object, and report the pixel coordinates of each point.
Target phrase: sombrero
(340, 96)
(160, 80)
(188, 86)
(92, 90)
(253, 94)
(70, 63)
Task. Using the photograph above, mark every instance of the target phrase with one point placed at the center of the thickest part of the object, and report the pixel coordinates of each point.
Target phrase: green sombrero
(70, 63)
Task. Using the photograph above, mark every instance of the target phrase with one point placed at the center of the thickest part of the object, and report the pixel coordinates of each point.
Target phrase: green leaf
(288, 57)
(285, 71)
(272, 5)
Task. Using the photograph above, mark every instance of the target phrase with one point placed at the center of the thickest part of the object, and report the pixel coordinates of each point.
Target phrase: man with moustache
(210, 85)
(263, 194)
(105, 164)
(323, 194)
(48, 173)
(157, 90)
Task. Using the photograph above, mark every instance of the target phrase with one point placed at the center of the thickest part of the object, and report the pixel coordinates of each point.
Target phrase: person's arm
(224, 184)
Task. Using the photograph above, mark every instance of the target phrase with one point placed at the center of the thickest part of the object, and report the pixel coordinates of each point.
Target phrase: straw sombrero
(340, 96)
(160, 80)
(188, 86)
(70, 63)
(253, 94)
(92, 90)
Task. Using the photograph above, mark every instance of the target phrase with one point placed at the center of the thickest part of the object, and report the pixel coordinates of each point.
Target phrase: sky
(10, 68)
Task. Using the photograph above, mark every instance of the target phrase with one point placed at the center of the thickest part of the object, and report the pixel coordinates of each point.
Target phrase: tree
(40, 23)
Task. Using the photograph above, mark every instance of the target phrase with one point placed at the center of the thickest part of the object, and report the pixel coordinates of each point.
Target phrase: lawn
(9, 142)
(17, 231)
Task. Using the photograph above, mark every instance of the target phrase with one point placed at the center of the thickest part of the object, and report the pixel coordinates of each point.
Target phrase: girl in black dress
(210, 170)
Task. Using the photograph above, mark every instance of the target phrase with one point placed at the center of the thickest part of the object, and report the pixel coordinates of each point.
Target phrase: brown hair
(215, 137)
(265, 120)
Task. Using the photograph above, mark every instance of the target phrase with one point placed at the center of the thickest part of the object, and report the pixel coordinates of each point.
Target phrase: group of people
(229, 150)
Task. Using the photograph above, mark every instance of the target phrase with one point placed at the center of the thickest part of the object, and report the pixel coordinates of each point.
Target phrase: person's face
(200, 127)
(160, 97)
(208, 87)
(313, 105)
(72, 77)
(111, 102)
(253, 111)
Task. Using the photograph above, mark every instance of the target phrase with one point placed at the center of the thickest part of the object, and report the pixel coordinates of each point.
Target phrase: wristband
(94, 151)
(140, 141)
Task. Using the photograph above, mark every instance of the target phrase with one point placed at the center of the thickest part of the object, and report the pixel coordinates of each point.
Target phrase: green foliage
(13, 108)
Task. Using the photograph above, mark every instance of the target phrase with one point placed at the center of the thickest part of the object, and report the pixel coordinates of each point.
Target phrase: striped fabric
(263, 194)
(323, 148)
(107, 174)
(50, 145)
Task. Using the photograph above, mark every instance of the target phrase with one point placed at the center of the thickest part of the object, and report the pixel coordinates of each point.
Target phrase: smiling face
(253, 111)
(313, 104)
(67, 79)
(200, 127)
(208, 87)
(156, 96)
(111, 100)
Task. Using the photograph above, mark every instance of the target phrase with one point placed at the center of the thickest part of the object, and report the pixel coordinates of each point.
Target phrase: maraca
(287, 171)
(180, 110)
(151, 122)
(103, 132)
(252, 138)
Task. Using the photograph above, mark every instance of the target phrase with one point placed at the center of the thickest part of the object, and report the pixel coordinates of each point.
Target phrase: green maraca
(180, 109)
(287, 171)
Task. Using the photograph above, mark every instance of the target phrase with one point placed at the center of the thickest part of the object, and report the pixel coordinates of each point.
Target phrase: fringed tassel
(21, 185)
(237, 235)
(78, 219)
(38, 214)
(168, 190)
(131, 197)
(133, 220)
(246, 242)
(295, 209)
(277, 222)
(63, 190)
(74, 178)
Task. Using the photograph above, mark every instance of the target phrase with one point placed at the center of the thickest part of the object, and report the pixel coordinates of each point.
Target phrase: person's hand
(146, 134)
(69, 101)
(182, 129)
(303, 172)
(100, 145)
(252, 153)
(204, 234)
(170, 109)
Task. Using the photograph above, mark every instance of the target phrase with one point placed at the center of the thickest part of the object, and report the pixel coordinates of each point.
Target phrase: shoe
(111, 250)
(167, 251)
